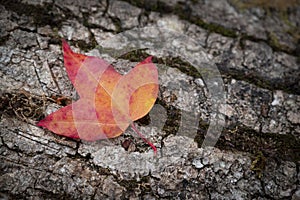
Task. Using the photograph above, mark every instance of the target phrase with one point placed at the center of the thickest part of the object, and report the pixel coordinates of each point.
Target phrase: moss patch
(175, 62)
(258, 164)
(185, 13)
(241, 138)
(280, 5)
(86, 46)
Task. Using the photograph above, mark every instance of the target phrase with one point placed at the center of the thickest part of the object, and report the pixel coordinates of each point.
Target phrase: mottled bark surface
(255, 46)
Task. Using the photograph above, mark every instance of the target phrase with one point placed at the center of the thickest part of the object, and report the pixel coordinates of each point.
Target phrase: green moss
(262, 146)
(258, 164)
(282, 8)
(280, 5)
(215, 28)
(136, 55)
(286, 85)
(271, 145)
(175, 62)
(185, 14)
(295, 33)
(86, 46)
(273, 40)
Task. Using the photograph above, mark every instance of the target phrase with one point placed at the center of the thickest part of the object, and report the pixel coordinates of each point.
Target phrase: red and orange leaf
(109, 102)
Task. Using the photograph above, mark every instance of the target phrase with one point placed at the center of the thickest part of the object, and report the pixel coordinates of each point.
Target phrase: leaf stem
(143, 137)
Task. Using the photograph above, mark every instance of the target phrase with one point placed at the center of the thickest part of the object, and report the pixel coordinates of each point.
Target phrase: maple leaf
(109, 102)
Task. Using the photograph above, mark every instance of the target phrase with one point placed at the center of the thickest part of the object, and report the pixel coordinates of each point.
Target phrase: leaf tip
(65, 46)
(39, 124)
(147, 60)
(42, 123)
(45, 122)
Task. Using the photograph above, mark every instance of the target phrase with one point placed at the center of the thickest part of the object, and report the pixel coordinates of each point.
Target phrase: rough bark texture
(255, 45)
